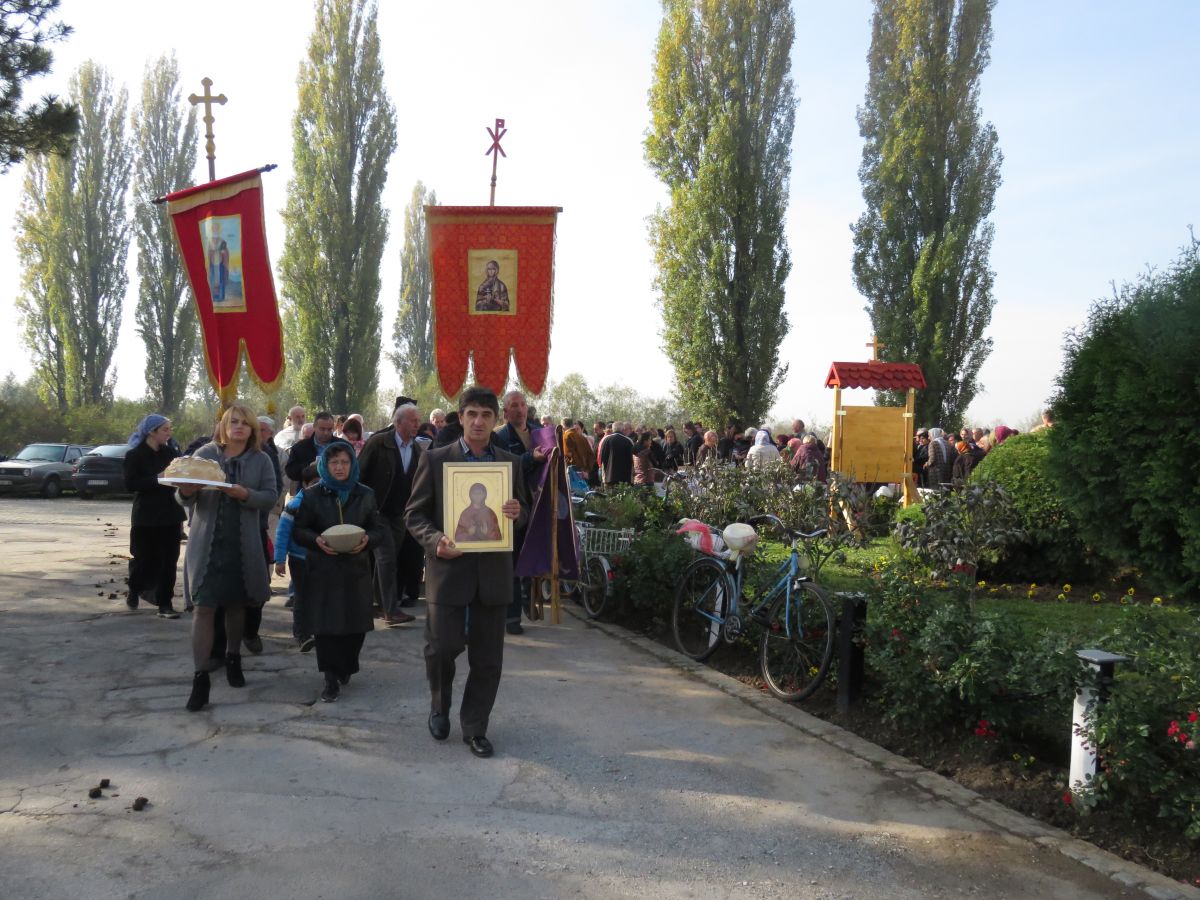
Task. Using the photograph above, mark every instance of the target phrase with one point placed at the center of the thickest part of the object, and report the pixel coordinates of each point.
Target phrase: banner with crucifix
(220, 234)
(493, 288)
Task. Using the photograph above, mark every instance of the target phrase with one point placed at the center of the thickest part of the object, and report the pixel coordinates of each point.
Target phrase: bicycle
(596, 544)
(796, 615)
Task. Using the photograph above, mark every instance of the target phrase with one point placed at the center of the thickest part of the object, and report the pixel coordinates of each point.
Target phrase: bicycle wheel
(702, 597)
(594, 586)
(797, 643)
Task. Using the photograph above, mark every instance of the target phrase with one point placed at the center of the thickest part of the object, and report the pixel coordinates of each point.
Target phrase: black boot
(199, 698)
(233, 670)
(331, 688)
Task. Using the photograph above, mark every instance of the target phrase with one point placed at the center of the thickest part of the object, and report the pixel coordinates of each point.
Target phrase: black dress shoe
(439, 726)
(479, 745)
(514, 628)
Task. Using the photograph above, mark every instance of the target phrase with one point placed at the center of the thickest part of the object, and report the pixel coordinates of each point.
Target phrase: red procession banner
(493, 291)
(220, 234)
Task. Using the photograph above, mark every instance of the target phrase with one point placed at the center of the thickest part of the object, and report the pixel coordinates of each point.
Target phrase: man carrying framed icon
(466, 498)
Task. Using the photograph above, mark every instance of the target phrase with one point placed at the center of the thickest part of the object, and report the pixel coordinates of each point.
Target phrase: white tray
(204, 482)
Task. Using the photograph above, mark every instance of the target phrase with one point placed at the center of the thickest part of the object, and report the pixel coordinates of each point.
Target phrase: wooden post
(555, 463)
(837, 436)
(909, 489)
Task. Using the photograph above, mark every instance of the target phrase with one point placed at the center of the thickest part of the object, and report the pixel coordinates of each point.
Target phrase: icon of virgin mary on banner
(493, 292)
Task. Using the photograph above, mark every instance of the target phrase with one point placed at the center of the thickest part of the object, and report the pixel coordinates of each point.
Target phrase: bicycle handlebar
(790, 532)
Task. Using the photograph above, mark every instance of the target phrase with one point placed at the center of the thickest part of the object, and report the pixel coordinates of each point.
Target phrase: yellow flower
(1096, 597)
(1029, 594)
(993, 590)
(1033, 587)
(1124, 600)
(1062, 597)
(1157, 601)
(981, 584)
(1130, 592)
(1066, 589)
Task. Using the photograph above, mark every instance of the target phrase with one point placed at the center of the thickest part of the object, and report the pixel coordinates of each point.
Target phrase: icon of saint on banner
(493, 282)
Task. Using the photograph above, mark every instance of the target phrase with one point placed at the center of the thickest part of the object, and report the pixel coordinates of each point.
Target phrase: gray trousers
(399, 563)
(480, 630)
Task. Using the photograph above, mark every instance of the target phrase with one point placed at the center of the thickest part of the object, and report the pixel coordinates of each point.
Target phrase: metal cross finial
(875, 347)
(496, 151)
(208, 100)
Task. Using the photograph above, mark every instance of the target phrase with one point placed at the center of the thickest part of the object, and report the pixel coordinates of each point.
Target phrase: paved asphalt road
(619, 772)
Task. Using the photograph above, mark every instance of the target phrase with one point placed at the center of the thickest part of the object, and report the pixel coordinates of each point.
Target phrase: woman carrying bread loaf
(338, 586)
(224, 561)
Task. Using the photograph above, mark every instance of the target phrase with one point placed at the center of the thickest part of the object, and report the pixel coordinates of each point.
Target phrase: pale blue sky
(1095, 105)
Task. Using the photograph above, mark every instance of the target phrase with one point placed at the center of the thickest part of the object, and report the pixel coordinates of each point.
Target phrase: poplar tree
(929, 173)
(343, 133)
(73, 242)
(413, 332)
(166, 160)
(722, 113)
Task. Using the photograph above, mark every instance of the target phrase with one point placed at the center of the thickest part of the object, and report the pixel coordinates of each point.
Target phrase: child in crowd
(294, 554)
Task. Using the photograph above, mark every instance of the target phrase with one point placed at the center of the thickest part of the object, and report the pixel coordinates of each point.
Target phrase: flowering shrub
(1145, 735)
(939, 663)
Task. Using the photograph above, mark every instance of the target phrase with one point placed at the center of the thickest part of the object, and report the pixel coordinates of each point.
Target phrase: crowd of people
(284, 489)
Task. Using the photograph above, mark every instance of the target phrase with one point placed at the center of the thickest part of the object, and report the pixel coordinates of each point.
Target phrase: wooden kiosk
(875, 443)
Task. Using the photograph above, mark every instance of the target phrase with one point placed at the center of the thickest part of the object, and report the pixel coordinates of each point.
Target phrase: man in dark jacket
(387, 465)
(516, 437)
(306, 451)
(460, 585)
(616, 457)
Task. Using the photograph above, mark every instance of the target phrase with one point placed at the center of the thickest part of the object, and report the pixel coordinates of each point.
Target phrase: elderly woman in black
(338, 586)
(156, 521)
(224, 559)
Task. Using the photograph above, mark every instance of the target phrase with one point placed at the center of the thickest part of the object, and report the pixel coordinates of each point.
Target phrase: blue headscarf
(147, 425)
(341, 488)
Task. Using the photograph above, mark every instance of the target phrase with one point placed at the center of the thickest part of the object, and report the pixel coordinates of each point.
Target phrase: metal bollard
(1083, 757)
(850, 656)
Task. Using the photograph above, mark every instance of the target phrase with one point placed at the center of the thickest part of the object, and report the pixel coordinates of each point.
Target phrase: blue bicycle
(796, 615)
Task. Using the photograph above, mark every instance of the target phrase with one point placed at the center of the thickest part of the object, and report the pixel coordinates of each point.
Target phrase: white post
(1083, 755)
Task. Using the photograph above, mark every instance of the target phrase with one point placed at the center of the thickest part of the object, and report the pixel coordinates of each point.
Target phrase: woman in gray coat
(338, 586)
(224, 562)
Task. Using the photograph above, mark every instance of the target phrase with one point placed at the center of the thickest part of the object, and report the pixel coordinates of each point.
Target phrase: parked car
(40, 469)
(101, 471)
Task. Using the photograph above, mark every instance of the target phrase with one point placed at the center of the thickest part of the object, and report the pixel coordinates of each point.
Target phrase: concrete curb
(995, 815)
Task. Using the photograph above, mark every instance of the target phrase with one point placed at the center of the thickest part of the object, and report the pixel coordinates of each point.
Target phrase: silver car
(40, 469)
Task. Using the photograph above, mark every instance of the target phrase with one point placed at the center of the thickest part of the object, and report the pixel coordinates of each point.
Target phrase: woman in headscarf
(809, 461)
(764, 452)
(1002, 434)
(156, 523)
(338, 586)
(224, 561)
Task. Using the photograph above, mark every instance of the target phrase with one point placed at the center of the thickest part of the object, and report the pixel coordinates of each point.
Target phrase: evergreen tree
(722, 113)
(73, 242)
(343, 134)
(413, 332)
(929, 174)
(46, 126)
(166, 160)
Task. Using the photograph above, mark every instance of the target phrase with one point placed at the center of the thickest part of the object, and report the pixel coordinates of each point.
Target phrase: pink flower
(1190, 745)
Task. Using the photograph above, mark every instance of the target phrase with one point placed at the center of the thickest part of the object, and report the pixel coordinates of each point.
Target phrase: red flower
(1193, 716)
(1066, 798)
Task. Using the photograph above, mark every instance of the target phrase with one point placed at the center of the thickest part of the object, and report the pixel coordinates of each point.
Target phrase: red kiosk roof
(875, 374)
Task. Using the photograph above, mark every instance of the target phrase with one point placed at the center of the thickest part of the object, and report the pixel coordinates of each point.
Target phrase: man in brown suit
(456, 583)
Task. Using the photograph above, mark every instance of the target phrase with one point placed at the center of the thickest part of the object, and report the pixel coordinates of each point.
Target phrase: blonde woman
(224, 562)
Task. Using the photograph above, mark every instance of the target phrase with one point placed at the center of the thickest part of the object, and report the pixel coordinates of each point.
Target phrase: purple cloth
(545, 524)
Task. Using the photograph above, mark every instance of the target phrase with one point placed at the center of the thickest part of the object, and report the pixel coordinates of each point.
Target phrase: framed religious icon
(492, 282)
(473, 494)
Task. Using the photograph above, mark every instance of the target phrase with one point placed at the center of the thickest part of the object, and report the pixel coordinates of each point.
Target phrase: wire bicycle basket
(604, 541)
